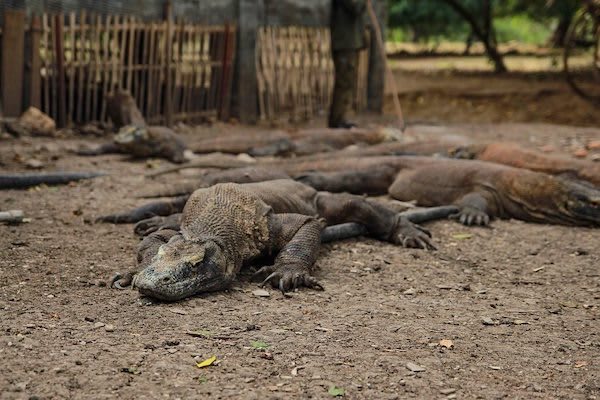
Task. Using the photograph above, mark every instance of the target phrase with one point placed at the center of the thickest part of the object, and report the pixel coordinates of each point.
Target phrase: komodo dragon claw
(413, 236)
(471, 216)
(121, 281)
(288, 277)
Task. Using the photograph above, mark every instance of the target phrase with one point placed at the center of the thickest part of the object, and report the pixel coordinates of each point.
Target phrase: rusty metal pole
(388, 70)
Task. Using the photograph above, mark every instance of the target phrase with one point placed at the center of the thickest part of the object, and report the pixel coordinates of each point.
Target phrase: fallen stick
(11, 217)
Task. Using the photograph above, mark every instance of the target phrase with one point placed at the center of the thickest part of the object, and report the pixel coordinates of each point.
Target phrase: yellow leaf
(447, 343)
(462, 236)
(207, 362)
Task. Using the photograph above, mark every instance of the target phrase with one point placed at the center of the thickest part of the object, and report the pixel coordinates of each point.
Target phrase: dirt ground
(510, 311)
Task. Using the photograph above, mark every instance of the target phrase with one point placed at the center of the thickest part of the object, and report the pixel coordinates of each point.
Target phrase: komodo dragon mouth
(131, 133)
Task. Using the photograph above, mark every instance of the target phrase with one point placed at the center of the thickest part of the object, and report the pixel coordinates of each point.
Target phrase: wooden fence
(176, 71)
(295, 73)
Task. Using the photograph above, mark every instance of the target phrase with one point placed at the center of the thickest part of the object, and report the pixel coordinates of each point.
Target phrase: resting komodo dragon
(482, 190)
(225, 226)
(505, 153)
(142, 142)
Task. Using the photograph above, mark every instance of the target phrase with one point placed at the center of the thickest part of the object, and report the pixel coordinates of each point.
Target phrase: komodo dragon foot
(121, 281)
(288, 277)
(471, 216)
(412, 235)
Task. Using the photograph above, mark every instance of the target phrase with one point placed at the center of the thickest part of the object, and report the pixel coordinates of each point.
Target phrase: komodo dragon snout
(582, 202)
(182, 268)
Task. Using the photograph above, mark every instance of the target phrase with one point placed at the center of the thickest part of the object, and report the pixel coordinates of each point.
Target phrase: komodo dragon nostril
(167, 279)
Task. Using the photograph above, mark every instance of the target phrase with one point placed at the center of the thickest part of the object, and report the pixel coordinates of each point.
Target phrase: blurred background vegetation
(490, 22)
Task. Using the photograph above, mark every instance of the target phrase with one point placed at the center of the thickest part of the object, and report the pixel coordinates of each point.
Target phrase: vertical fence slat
(12, 68)
(35, 73)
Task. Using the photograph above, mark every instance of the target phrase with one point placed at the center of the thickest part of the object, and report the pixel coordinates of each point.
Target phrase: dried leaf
(462, 236)
(207, 362)
(447, 343)
(336, 391)
(259, 345)
(579, 364)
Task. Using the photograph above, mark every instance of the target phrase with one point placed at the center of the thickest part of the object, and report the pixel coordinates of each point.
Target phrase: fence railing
(175, 70)
(295, 73)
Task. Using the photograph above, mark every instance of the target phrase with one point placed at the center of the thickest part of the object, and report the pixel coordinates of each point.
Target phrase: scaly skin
(516, 156)
(143, 142)
(227, 225)
(484, 190)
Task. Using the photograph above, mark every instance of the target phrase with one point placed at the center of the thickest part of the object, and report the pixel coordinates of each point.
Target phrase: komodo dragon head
(183, 268)
(557, 200)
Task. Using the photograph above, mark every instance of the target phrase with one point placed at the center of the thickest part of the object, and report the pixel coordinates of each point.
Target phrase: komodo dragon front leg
(297, 239)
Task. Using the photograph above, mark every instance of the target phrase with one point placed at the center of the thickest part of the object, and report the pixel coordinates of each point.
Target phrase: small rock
(414, 367)
(447, 391)
(266, 355)
(32, 163)
(520, 322)
(487, 321)
(179, 311)
(580, 153)
(99, 325)
(409, 292)
(548, 148)
(593, 145)
(89, 319)
(37, 123)
(261, 293)
(109, 328)
(595, 157)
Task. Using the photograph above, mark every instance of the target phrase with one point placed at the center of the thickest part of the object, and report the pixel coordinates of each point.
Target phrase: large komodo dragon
(227, 225)
(453, 146)
(482, 190)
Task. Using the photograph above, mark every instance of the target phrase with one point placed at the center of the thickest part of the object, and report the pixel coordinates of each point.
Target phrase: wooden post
(251, 16)
(226, 66)
(13, 48)
(168, 15)
(60, 70)
(35, 66)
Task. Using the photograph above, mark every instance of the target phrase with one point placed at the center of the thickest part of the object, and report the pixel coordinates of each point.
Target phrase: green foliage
(521, 28)
(529, 21)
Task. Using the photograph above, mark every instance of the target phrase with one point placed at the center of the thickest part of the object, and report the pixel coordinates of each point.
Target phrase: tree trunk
(560, 32)
(484, 33)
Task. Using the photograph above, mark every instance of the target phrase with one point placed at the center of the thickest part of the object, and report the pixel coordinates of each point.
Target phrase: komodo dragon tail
(218, 160)
(21, 181)
(351, 229)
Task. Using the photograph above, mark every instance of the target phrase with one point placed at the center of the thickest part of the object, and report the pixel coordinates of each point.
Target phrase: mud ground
(510, 311)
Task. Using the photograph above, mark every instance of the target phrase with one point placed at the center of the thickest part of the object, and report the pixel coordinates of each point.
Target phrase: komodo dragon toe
(288, 277)
(412, 235)
(471, 216)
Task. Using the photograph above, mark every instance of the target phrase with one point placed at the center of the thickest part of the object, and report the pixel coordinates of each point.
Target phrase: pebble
(409, 292)
(580, 153)
(487, 321)
(99, 325)
(414, 367)
(447, 391)
(261, 293)
(109, 328)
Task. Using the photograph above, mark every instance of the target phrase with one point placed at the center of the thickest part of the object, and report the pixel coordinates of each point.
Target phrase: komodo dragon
(493, 189)
(506, 153)
(141, 142)
(225, 226)
(302, 142)
(481, 189)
